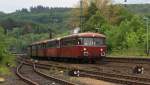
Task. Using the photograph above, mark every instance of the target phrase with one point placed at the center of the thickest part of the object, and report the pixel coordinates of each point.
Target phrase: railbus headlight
(84, 49)
(101, 49)
(85, 52)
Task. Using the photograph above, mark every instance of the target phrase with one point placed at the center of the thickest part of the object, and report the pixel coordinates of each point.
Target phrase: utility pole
(147, 37)
(81, 15)
(18, 44)
(125, 3)
(147, 27)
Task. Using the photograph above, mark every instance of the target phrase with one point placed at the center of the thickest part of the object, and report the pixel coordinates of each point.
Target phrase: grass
(4, 70)
(6, 63)
(129, 53)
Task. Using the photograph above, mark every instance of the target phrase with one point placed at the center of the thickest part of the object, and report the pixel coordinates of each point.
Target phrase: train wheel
(102, 60)
(93, 61)
(85, 60)
(55, 59)
(71, 60)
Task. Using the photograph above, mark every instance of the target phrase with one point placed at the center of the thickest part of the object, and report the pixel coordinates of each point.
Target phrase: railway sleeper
(114, 79)
(63, 82)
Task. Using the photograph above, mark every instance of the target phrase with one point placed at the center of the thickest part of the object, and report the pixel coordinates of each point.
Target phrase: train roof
(87, 34)
(43, 41)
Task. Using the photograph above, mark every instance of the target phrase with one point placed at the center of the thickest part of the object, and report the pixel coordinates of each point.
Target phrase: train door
(36, 50)
(58, 48)
(45, 50)
(30, 51)
(61, 48)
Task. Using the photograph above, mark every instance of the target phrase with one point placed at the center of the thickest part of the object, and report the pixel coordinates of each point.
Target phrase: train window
(48, 44)
(43, 45)
(92, 41)
(98, 41)
(74, 42)
(53, 44)
(34, 47)
(88, 41)
(70, 42)
(39, 46)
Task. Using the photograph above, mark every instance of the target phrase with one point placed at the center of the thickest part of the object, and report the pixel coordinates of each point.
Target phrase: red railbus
(82, 46)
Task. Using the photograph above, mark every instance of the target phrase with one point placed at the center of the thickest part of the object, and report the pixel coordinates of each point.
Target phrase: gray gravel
(28, 72)
(13, 79)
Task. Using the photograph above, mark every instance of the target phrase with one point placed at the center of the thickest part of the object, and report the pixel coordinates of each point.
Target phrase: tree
(8, 24)
(5, 56)
(92, 9)
(96, 21)
(24, 10)
(39, 9)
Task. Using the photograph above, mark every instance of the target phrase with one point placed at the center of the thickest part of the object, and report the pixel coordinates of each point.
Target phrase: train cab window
(92, 41)
(88, 41)
(98, 41)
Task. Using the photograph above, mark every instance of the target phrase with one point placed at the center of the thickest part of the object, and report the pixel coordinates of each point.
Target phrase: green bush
(125, 31)
(5, 56)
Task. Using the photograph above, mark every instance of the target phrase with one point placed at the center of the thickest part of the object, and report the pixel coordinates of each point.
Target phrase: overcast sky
(12, 5)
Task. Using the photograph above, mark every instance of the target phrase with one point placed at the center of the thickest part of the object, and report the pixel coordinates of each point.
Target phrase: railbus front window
(92, 41)
(88, 41)
(98, 41)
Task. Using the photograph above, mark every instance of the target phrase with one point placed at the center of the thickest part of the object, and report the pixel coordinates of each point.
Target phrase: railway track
(111, 77)
(60, 81)
(49, 79)
(128, 60)
(29, 81)
(116, 78)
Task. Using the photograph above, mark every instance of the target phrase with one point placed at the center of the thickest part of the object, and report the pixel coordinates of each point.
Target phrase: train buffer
(74, 72)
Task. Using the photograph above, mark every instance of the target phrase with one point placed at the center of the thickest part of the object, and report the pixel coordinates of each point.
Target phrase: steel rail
(128, 60)
(63, 82)
(117, 78)
(24, 78)
(114, 79)
(125, 79)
